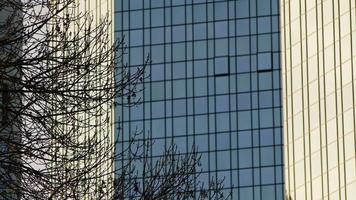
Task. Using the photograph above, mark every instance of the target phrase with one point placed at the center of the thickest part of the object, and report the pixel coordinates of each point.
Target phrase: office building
(318, 59)
(214, 81)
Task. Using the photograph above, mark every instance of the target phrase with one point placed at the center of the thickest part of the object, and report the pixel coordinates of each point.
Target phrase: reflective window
(157, 35)
(200, 68)
(157, 17)
(199, 31)
(220, 11)
(244, 120)
(221, 29)
(157, 72)
(222, 121)
(222, 85)
(178, 88)
(136, 19)
(264, 24)
(178, 33)
(158, 109)
(136, 4)
(201, 123)
(200, 86)
(199, 49)
(221, 65)
(136, 37)
(245, 177)
(244, 139)
(157, 54)
(178, 15)
(243, 45)
(157, 90)
(178, 70)
(199, 12)
(179, 107)
(178, 51)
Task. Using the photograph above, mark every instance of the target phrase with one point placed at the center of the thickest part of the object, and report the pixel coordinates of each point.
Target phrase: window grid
(226, 70)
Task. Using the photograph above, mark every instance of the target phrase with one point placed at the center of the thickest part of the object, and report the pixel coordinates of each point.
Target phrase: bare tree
(59, 77)
(172, 175)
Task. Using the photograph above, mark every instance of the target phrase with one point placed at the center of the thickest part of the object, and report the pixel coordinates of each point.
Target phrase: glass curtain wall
(214, 81)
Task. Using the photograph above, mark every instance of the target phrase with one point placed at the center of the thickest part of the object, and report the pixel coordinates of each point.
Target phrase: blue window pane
(243, 27)
(244, 101)
(242, 64)
(222, 121)
(177, 2)
(178, 70)
(200, 68)
(244, 139)
(201, 142)
(223, 160)
(157, 35)
(178, 14)
(263, 7)
(199, 49)
(264, 24)
(136, 56)
(243, 82)
(136, 112)
(221, 29)
(265, 81)
(266, 118)
(178, 51)
(157, 54)
(157, 72)
(221, 47)
(200, 86)
(157, 17)
(179, 124)
(241, 10)
(267, 156)
(275, 46)
(222, 103)
(264, 61)
(136, 19)
(200, 105)
(243, 45)
(178, 33)
(158, 148)
(178, 88)
(157, 90)
(181, 143)
(158, 128)
(220, 11)
(157, 3)
(266, 137)
(245, 158)
(199, 13)
(136, 38)
(223, 142)
(201, 123)
(244, 120)
(221, 65)
(136, 4)
(179, 107)
(199, 31)
(245, 178)
(266, 99)
(268, 192)
(264, 44)
(158, 109)
(222, 85)
(267, 175)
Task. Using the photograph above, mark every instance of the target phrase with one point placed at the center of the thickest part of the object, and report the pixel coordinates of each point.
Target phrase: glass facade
(318, 59)
(214, 81)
